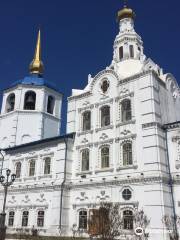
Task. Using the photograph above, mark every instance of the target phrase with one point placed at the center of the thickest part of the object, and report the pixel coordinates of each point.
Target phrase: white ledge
(127, 167)
(104, 170)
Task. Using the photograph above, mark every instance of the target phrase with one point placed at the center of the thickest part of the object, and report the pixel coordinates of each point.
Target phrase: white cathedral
(122, 144)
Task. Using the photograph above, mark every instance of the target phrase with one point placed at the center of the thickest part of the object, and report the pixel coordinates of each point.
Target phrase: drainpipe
(2, 161)
(171, 187)
(62, 186)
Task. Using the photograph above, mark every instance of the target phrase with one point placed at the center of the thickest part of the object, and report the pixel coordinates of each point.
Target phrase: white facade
(127, 137)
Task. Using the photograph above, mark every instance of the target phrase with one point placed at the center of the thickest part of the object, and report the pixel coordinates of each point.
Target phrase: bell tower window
(131, 50)
(50, 105)
(10, 103)
(30, 100)
(121, 53)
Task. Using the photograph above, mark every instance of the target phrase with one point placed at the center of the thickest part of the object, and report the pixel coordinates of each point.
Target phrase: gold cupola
(36, 66)
(125, 12)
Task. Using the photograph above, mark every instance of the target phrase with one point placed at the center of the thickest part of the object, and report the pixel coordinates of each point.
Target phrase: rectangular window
(40, 219)
(47, 165)
(121, 54)
(25, 219)
(11, 219)
(131, 50)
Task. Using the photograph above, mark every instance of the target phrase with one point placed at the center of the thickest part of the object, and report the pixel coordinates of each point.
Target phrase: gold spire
(36, 66)
(126, 12)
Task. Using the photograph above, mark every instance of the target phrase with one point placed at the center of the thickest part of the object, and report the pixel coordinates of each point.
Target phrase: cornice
(152, 124)
(83, 95)
(144, 73)
(116, 182)
(172, 125)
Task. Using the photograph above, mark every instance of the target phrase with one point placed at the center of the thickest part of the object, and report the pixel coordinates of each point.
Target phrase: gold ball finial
(36, 66)
(126, 12)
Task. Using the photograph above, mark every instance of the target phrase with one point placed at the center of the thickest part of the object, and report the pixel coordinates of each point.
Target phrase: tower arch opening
(50, 104)
(10, 103)
(30, 100)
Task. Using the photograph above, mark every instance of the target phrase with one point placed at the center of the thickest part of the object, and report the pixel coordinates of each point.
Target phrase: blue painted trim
(35, 80)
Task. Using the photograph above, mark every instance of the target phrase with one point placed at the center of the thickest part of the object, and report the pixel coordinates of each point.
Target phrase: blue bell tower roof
(36, 80)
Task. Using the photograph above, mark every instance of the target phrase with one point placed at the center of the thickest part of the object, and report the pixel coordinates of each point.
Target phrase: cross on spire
(125, 3)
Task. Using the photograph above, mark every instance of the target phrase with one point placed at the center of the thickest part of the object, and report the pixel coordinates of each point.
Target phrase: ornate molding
(85, 132)
(133, 121)
(172, 125)
(83, 95)
(109, 101)
(104, 128)
(116, 182)
(100, 74)
(152, 124)
(125, 95)
(131, 136)
(89, 107)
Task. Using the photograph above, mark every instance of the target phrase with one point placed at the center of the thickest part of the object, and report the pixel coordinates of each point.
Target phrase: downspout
(2, 161)
(62, 187)
(170, 183)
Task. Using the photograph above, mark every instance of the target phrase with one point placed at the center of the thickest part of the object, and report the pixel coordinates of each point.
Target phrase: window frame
(126, 113)
(128, 220)
(131, 51)
(32, 174)
(126, 194)
(49, 165)
(86, 122)
(106, 118)
(11, 218)
(84, 218)
(105, 159)
(121, 53)
(25, 218)
(19, 171)
(82, 151)
(40, 218)
(127, 154)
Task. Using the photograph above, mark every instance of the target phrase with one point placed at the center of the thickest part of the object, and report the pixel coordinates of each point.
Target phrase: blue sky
(77, 38)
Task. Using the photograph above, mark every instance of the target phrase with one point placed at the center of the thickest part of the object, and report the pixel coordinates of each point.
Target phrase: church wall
(39, 192)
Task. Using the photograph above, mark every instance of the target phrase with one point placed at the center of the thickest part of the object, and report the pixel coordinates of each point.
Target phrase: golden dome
(126, 13)
(36, 66)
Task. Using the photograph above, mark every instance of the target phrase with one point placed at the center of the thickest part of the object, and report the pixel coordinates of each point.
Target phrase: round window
(126, 194)
(105, 86)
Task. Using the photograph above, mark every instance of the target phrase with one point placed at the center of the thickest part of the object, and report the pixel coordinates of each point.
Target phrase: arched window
(47, 165)
(40, 219)
(11, 219)
(86, 120)
(131, 51)
(83, 219)
(25, 217)
(105, 116)
(30, 100)
(50, 105)
(104, 157)
(85, 160)
(121, 53)
(126, 110)
(128, 220)
(10, 103)
(32, 164)
(127, 154)
(18, 169)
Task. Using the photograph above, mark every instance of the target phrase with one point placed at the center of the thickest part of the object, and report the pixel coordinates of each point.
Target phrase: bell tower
(31, 107)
